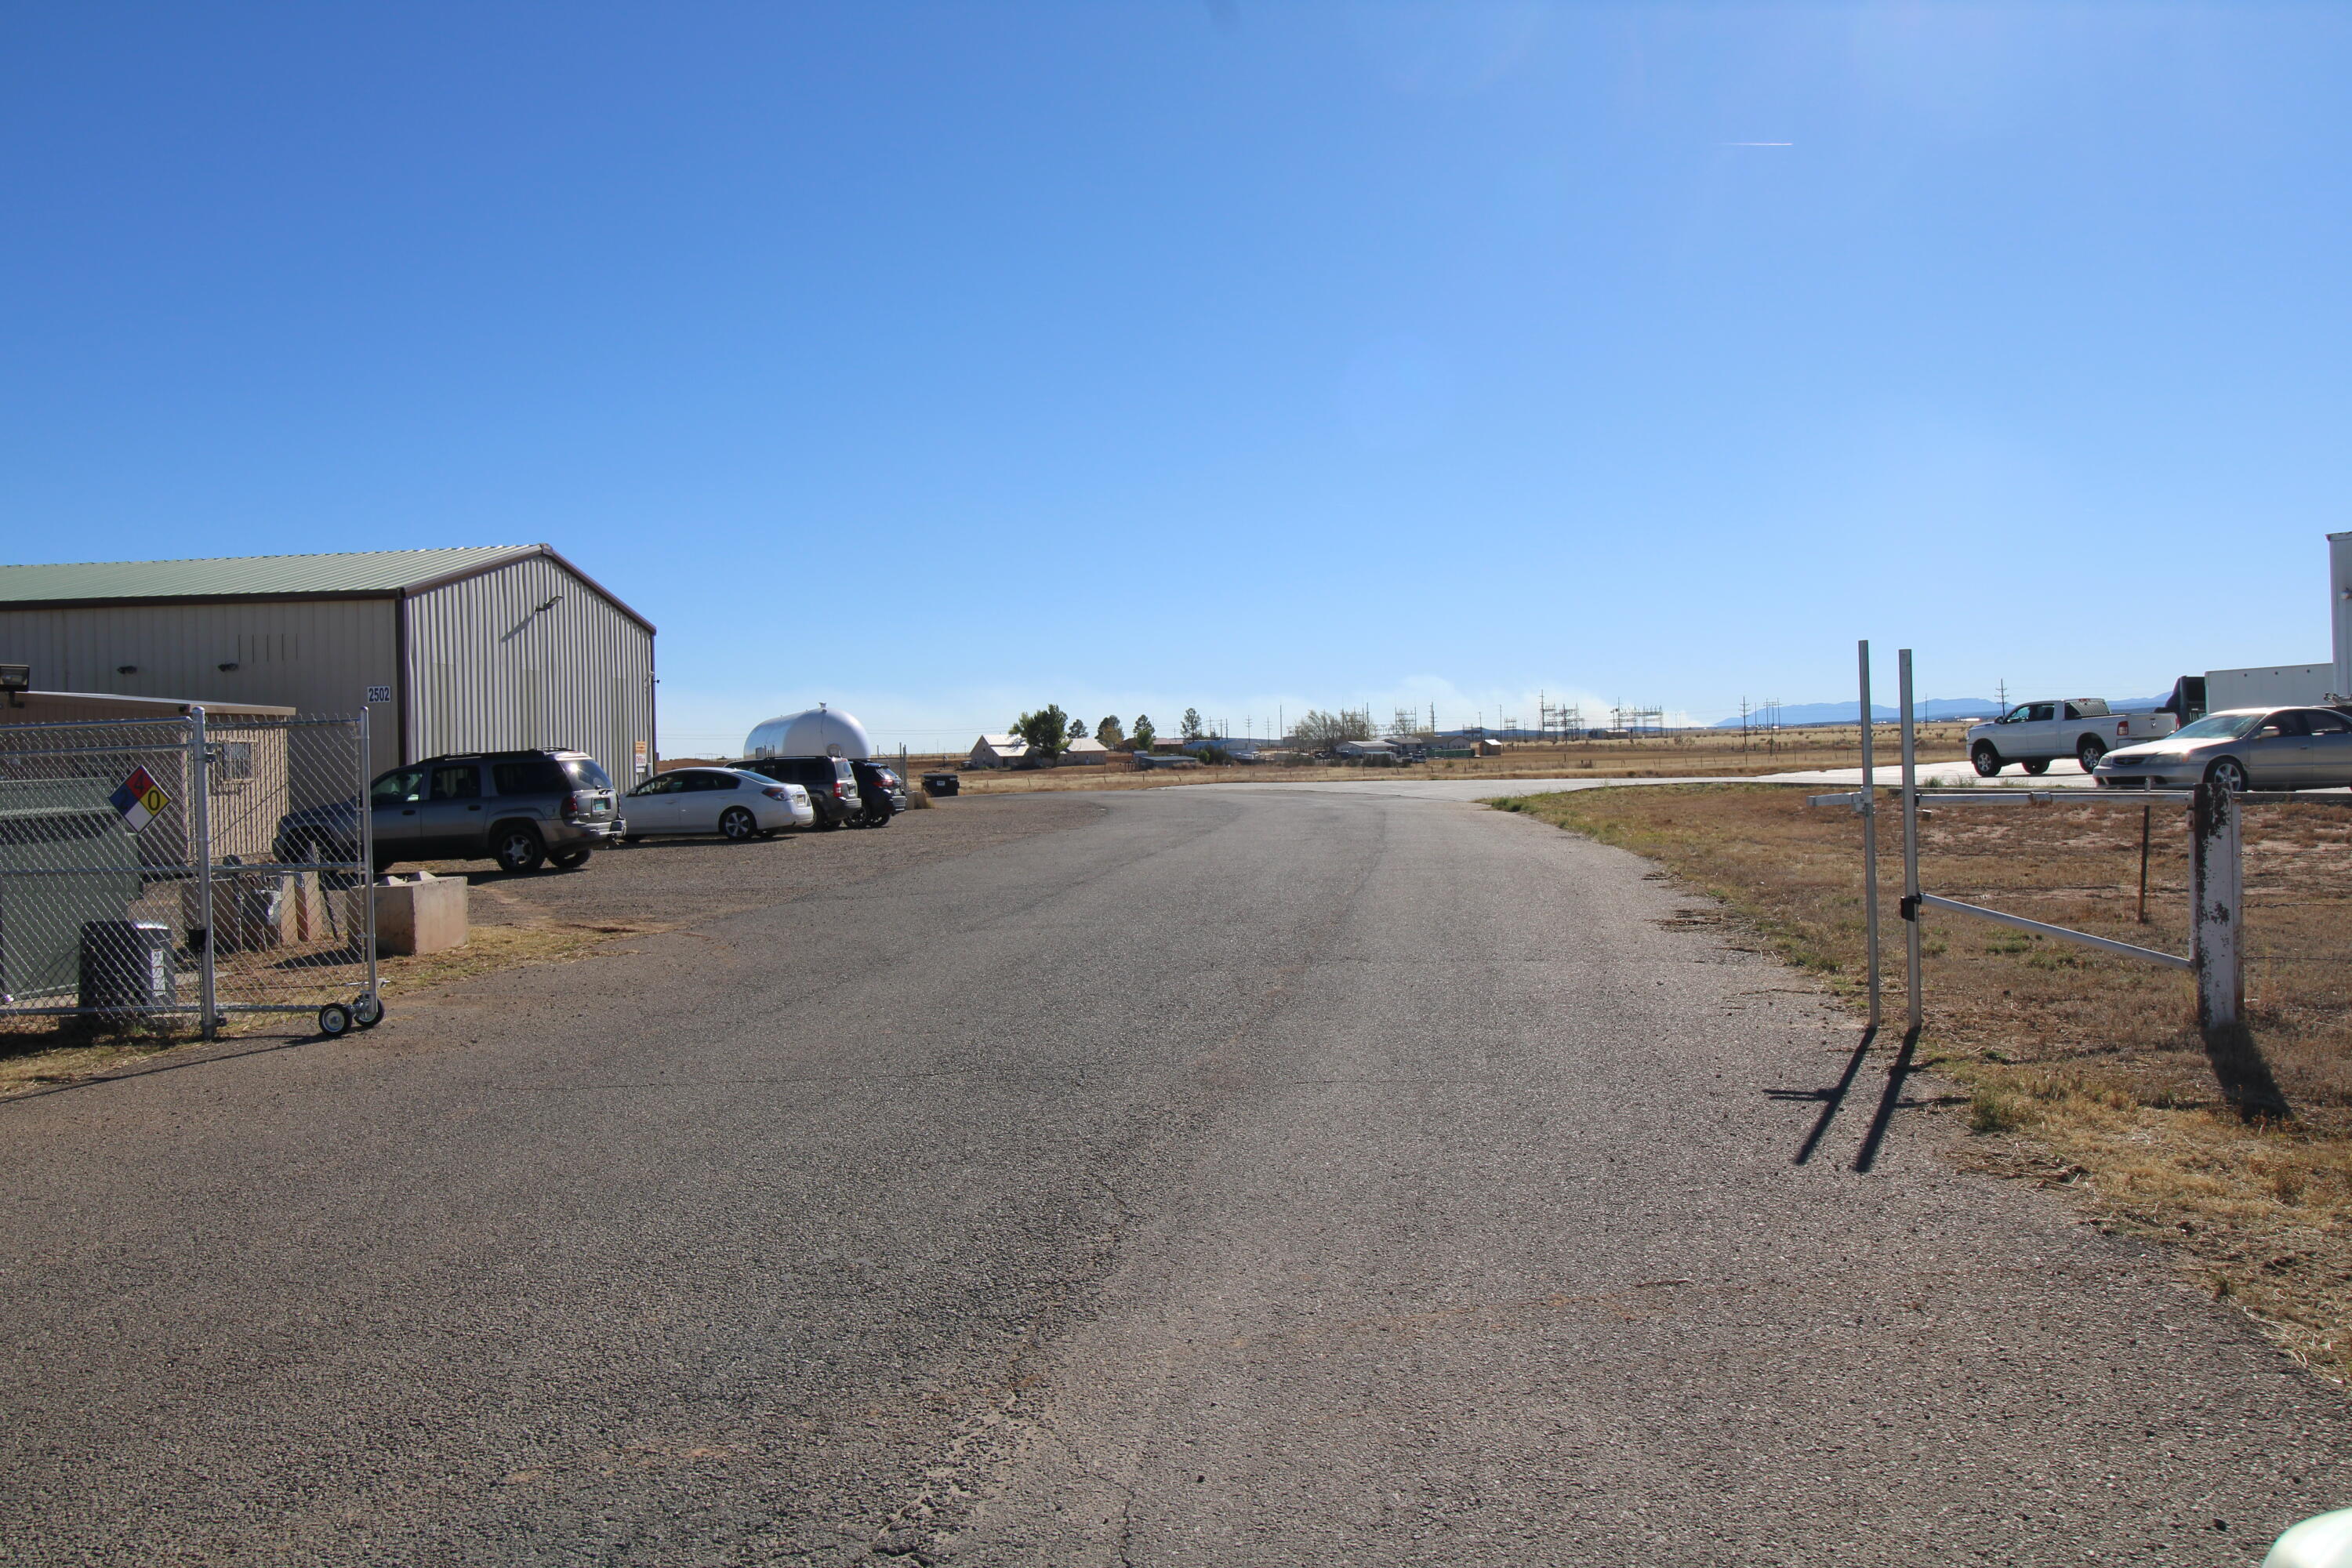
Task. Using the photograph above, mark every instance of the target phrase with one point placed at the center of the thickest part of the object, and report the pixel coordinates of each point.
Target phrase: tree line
(1048, 732)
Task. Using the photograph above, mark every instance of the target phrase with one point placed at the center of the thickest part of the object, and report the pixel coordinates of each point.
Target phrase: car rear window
(531, 775)
(586, 773)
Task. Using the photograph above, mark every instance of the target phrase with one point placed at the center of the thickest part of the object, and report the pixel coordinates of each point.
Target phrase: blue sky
(942, 359)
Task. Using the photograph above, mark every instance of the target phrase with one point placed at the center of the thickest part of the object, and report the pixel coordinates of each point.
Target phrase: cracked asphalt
(1197, 1176)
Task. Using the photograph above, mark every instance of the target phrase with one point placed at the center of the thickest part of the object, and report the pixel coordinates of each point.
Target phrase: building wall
(488, 667)
(318, 656)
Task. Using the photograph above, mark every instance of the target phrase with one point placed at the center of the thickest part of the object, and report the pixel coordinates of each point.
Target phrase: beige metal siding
(317, 656)
(574, 673)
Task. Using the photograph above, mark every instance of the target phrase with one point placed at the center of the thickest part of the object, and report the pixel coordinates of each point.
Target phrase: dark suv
(880, 790)
(832, 786)
(519, 808)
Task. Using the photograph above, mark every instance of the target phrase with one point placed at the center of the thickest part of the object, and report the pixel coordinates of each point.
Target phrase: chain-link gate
(177, 869)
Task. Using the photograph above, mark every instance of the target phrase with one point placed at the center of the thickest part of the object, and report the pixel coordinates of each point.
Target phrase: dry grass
(1712, 753)
(2085, 1071)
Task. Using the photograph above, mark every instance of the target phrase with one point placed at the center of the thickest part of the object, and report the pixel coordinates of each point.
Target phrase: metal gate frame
(335, 1017)
(2216, 872)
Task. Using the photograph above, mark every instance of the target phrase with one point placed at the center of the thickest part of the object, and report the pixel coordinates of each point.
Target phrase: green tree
(1108, 732)
(1077, 728)
(1047, 730)
(1144, 732)
(1192, 723)
(1318, 728)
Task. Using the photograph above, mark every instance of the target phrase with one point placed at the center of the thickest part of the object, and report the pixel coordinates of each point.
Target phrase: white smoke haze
(709, 723)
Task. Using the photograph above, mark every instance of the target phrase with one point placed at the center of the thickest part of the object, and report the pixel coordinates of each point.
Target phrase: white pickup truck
(2039, 733)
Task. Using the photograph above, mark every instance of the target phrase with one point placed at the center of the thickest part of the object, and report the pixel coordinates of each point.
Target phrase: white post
(200, 847)
(2216, 892)
(1869, 836)
(2339, 610)
(1911, 964)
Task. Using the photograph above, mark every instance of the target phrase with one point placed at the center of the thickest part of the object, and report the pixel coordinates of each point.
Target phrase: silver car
(2240, 748)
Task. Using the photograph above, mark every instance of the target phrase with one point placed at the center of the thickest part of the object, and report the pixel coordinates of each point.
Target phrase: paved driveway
(1226, 1177)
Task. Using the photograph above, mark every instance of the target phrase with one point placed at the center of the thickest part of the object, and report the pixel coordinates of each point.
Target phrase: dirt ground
(2081, 1069)
(555, 916)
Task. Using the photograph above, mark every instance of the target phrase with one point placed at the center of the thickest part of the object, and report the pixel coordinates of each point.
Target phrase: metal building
(449, 650)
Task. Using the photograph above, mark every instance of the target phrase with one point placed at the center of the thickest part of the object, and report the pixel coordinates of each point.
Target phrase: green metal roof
(358, 572)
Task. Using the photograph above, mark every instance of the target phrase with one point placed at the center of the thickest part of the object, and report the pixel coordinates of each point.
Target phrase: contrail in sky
(1758, 143)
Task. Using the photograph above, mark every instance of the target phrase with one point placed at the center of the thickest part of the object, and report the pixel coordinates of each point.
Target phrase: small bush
(1991, 1111)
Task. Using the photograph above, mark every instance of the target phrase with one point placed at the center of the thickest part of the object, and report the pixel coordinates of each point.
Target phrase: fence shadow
(1832, 1099)
(2245, 1078)
(215, 1058)
(1889, 1102)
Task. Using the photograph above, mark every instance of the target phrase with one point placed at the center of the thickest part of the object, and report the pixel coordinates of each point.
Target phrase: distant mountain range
(1793, 714)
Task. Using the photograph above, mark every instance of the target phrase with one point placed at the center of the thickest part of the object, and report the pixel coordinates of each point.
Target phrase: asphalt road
(1223, 1176)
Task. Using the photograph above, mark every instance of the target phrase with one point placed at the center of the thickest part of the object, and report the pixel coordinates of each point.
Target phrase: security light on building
(449, 650)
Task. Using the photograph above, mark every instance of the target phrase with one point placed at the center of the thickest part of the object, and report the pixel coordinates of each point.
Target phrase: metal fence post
(366, 811)
(1869, 807)
(1911, 962)
(200, 845)
(2216, 892)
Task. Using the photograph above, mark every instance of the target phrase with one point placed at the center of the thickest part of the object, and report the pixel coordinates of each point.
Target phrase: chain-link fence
(178, 870)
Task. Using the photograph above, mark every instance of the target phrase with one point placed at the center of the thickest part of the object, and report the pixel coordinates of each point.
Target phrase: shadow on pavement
(213, 1059)
(1832, 1098)
(1889, 1103)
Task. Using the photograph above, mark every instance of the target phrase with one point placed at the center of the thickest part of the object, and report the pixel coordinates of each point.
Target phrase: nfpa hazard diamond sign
(141, 800)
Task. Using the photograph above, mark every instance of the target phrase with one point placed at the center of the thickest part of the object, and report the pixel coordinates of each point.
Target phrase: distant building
(999, 752)
(818, 731)
(1083, 755)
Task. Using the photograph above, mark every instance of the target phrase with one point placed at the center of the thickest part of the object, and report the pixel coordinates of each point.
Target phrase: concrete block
(427, 915)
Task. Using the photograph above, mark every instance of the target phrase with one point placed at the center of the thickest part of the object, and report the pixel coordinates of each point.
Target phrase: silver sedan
(2240, 748)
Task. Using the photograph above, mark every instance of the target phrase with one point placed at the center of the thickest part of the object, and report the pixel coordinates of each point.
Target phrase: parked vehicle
(832, 786)
(2039, 733)
(519, 808)
(881, 793)
(730, 801)
(2240, 748)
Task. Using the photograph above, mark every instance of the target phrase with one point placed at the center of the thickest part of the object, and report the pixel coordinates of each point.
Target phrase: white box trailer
(2269, 686)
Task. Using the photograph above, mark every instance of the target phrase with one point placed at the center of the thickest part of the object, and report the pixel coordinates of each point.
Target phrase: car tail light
(773, 793)
(2123, 728)
(571, 803)
(840, 790)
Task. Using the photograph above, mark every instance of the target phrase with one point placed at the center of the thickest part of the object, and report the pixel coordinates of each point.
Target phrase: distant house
(1364, 749)
(999, 752)
(1083, 755)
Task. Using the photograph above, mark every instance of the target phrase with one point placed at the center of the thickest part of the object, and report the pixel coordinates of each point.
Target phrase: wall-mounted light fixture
(16, 679)
(229, 666)
(126, 670)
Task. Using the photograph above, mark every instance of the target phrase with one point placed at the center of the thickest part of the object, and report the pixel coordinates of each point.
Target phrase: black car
(880, 790)
(521, 808)
(832, 786)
